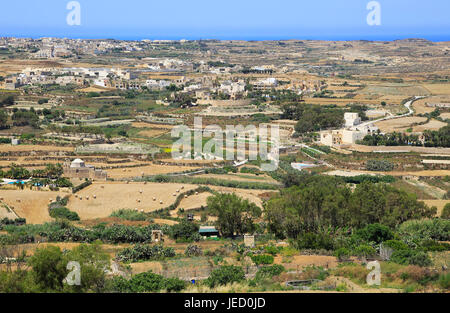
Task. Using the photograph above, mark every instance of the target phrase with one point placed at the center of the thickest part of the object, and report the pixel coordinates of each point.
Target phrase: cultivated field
(154, 169)
(399, 124)
(110, 197)
(33, 205)
(439, 204)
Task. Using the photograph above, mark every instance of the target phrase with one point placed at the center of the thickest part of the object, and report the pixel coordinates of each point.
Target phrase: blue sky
(230, 19)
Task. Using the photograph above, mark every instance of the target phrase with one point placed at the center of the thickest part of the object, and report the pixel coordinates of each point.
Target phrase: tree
(185, 230)
(49, 268)
(235, 215)
(446, 212)
(320, 202)
(7, 101)
(93, 261)
(3, 119)
(225, 275)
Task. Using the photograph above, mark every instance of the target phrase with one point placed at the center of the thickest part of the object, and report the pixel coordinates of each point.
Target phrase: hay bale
(160, 202)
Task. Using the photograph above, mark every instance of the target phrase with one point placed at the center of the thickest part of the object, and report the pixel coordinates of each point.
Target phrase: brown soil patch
(301, 261)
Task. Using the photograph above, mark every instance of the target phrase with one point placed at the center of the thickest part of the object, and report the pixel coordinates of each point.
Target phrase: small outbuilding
(208, 232)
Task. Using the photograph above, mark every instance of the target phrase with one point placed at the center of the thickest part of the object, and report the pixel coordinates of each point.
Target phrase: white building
(352, 119)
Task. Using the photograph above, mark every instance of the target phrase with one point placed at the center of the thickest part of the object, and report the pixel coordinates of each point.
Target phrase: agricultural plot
(438, 89)
(30, 204)
(101, 199)
(154, 169)
(399, 124)
(431, 125)
(439, 204)
(34, 148)
(117, 148)
(422, 106)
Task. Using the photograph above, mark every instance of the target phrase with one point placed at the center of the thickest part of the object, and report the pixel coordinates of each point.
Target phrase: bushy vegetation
(147, 282)
(312, 117)
(319, 201)
(260, 259)
(415, 231)
(435, 138)
(63, 212)
(48, 270)
(145, 253)
(224, 275)
(235, 215)
(129, 215)
(83, 185)
(379, 165)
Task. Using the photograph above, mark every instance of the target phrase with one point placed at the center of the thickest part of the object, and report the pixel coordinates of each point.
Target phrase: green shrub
(379, 165)
(224, 275)
(262, 259)
(271, 249)
(147, 282)
(419, 230)
(420, 258)
(375, 233)
(444, 280)
(432, 245)
(63, 212)
(365, 251)
(81, 186)
(185, 230)
(144, 253)
(411, 257)
(129, 215)
(342, 254)
(315, 241)
(269, 271)
(193, 250)
(446, 212)
(395, 245)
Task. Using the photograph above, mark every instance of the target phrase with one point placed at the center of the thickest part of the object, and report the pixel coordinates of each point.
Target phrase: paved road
(407, 105)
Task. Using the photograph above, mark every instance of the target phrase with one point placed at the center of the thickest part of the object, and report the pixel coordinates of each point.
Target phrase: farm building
(79, 169)
(208, 231)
